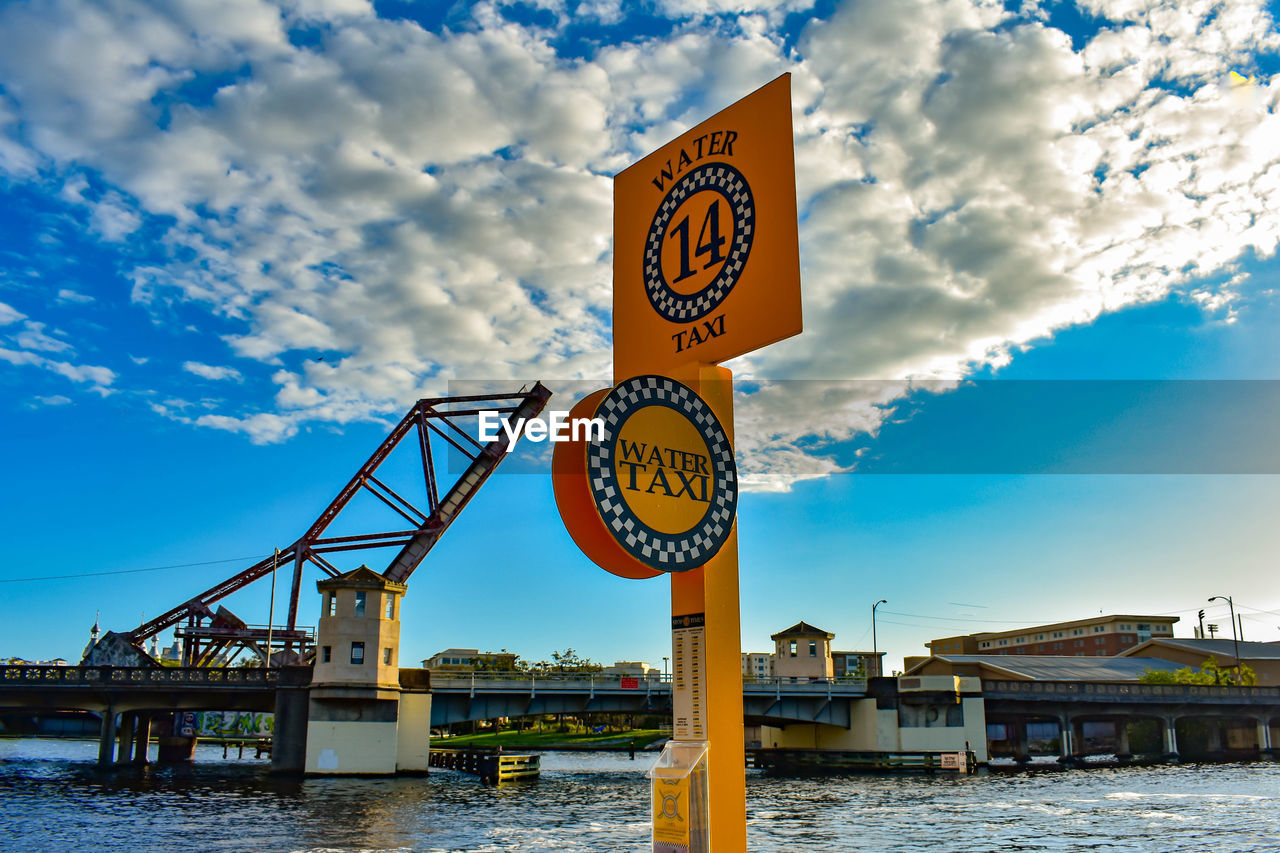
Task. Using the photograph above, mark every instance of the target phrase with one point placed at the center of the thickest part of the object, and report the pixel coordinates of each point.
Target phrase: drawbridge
(435, 429)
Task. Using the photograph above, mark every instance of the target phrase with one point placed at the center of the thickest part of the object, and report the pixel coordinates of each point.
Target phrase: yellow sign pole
(712, 591)
(706, 268)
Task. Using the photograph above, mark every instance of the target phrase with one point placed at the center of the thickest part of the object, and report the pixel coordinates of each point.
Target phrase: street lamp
(875, 650)
(1235, 639)
(664, 667)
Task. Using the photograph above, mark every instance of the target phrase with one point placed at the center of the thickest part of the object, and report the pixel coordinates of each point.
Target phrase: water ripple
(55, 800)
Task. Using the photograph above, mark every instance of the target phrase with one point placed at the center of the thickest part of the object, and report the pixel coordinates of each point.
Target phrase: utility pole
(271, 608)
(875, 649)
(1235, 637)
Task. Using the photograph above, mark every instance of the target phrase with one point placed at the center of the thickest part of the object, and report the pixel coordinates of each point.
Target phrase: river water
(52, 798)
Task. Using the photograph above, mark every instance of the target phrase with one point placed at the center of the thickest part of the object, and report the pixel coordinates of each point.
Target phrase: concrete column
(124, 746)
(142, 740)
(289, 735)
(174, 747)
(1215, 736)
(107, 737)
(1020, 752)
(1066, 741)
(1122, 739)
(1265, 750)
(1170, 738)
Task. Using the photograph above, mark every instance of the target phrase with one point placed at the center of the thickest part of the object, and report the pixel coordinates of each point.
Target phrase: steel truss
(206, 633)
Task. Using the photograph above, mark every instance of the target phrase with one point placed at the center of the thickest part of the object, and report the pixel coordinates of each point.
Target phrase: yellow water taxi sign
(663, 477)
(706, 259)
(658, 492)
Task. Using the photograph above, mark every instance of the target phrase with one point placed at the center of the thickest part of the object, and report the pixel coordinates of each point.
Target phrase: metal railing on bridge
(98, 676)
(531, 682)
(1086, 691)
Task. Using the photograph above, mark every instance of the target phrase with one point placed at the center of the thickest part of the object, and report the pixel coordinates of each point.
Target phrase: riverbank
(636, 739)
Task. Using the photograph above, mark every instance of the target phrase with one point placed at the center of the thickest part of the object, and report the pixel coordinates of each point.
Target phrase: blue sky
(1038, 253)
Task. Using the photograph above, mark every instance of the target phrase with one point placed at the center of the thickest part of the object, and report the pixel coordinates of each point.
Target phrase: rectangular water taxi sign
(706, 255)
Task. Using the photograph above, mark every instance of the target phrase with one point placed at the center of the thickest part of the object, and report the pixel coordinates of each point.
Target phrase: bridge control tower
(360, 719)
(358, 638)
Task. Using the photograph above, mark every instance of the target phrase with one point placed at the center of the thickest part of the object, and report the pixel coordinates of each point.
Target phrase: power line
(1259, 609)
(954, 618)
(132, 571)
(1026, 623)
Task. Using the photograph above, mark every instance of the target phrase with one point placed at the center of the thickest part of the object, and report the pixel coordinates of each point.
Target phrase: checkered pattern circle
(666, 552)
(729, 183)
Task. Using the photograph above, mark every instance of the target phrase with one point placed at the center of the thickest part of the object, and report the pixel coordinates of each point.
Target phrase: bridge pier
(289, 735)
(1215, 737)
(124, 745)
(1123, 751)
(1021, 752)
(107, 737)
(142, 739)
(1265, 749)
(1170, 739)
(1066, 741)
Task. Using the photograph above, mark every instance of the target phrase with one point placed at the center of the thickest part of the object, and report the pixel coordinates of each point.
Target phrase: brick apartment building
(1101, 636)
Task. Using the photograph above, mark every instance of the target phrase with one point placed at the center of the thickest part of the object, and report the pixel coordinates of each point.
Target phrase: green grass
(533, 739)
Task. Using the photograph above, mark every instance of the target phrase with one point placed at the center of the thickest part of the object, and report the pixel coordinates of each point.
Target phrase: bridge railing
(99, 676)
(502, 681)
(1084, 691)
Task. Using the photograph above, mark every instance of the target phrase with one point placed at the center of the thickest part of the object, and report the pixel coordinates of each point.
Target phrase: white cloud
(112, 220)
(209, 371)
(74, 296)
(9, 314)
(262, 428)
(16, 159)
(54, 400)
(32, 337)
(418, 206)
(99, 377)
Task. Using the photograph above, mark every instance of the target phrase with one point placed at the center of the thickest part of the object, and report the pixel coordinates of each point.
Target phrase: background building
(1100, 636)
(803, 651)
(757, 664)
(470, 659)
(638, 668)
(857, 664)
(1038, 667)
(1262, 658)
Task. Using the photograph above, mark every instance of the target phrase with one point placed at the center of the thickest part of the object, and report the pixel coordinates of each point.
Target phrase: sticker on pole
(663, 478)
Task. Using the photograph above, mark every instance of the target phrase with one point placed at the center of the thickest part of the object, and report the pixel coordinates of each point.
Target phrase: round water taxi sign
(661, 481)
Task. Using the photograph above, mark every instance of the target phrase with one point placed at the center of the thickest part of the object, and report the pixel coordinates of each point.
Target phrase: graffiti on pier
(234, 724)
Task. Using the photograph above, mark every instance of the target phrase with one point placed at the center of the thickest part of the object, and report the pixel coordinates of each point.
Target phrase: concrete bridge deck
(462, 696)
(1252, 712)
(456, 696)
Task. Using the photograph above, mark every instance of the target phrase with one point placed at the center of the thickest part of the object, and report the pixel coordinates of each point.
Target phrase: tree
(1210, 672)
(501, 661)
(568, 661)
